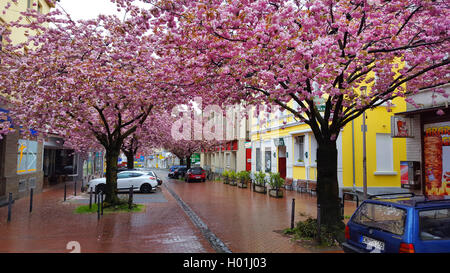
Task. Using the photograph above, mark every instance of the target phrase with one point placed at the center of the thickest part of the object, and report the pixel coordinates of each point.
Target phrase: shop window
(26, 156)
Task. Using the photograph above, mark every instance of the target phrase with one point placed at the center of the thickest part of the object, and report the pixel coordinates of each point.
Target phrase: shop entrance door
(282, 161)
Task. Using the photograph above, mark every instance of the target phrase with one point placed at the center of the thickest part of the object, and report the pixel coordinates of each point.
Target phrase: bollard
(98, 210)
(9, 206)
(75, 189)
(31, 200)
(82, 185)
(130, 198)
(293, 213)
(318, 224)
(90, 199)
(101, 203)
(65, 191)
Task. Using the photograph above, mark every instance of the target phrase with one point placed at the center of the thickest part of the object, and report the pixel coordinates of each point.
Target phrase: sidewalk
(247, 221)
(163, 227)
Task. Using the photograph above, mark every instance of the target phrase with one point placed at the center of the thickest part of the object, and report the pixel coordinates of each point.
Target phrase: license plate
(198, 176)
(372, 244)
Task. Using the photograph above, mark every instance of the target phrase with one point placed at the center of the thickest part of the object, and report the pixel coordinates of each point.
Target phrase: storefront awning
(421, 110)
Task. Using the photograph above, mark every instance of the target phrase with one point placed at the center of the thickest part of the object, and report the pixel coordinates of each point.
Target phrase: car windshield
(196, 171)
(383, 217)
(435, 224)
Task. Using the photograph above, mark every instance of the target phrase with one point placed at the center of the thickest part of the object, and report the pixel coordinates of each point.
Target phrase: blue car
(400, 223)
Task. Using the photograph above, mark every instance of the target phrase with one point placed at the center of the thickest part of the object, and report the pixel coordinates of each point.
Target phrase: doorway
(282, 161)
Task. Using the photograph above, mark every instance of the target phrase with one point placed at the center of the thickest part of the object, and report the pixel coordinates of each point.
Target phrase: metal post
(31, 200)
(293, 213)
(318, 224)
(90, 199)
(353, 155)
(95, 198)
(130, 198)
(364, 130)
(65, 191)
(10, 200)
(101, 203)
(82, 184)
(75, 189)
(98, 210)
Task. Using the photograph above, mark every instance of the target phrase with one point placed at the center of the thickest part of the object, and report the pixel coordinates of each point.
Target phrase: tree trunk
(112, 156)
(188, 162)
(130, 160)
(327, 185)
(181, 161)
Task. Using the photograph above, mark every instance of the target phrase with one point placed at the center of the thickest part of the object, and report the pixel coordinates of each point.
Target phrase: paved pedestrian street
(179, 217)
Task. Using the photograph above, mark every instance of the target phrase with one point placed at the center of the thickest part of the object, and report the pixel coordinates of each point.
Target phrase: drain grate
(215, 241)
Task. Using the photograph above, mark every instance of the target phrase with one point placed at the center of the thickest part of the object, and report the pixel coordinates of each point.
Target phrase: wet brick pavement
(243, 220)
(247, 221)
(163, 227)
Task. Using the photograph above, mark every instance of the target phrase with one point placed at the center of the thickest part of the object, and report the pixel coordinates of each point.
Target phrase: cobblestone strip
(215, 242)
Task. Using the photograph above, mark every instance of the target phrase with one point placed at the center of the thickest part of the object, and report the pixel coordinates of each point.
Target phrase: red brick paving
(162, 227)
(247, 221)
(244, 220)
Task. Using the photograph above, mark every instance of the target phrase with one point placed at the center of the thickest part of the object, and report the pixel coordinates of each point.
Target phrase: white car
(143, 181)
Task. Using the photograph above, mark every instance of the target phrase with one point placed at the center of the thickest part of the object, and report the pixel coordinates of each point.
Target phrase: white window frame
(384, 155)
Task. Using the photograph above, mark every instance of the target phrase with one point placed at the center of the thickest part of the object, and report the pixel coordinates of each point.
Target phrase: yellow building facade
(282, 144)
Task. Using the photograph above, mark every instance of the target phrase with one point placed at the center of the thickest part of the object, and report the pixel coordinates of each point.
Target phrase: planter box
(276, 193)
(242, 185)
(233, 183)
(226, 181)
(259, 188)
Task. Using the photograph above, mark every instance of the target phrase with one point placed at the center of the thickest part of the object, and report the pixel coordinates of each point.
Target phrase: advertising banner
(437, 158)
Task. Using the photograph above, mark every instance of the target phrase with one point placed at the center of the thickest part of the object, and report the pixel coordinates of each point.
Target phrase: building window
(268, 161)
(26, 156)
(299, 149)
(385, 161)
(258, 159)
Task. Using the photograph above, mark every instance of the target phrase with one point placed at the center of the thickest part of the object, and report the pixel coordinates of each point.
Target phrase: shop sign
(401, 127)
(436, 145)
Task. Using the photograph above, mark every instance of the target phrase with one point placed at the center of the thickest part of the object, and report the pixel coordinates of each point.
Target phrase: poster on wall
(437, 158)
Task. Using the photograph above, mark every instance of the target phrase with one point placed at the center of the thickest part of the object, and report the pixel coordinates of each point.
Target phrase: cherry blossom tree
(272, 51)
(94, 81)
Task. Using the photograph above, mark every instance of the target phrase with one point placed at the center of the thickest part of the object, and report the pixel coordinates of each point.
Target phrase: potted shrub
(276, 183)
(233, 178)
(226, 177)
(259, 184)
(244, 178)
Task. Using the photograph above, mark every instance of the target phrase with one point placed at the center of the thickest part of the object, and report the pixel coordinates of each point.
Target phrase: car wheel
(146, 188)
(203, 180)
(100, 188)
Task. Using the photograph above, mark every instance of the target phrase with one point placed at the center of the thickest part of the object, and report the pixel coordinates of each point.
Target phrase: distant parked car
(141, 181)
(179, 172)
(399, 223)
(196, 173)
(173, 169)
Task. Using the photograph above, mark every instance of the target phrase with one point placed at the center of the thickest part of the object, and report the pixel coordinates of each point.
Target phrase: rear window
(434, 224)
(383, 217)
(196, 171)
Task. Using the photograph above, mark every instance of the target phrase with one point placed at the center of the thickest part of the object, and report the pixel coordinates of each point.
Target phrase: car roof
(410, 200)
(133, 171)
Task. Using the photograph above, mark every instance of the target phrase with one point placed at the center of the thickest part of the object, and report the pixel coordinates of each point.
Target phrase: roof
(411, 200)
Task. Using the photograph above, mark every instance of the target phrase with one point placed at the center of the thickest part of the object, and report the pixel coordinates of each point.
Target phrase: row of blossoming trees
(100, 80)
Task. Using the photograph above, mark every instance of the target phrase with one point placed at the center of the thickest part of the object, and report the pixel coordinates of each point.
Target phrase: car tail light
(347, 233)
(151, 178)
(406, 248)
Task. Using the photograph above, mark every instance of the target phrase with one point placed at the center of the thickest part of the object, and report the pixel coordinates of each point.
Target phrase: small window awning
(420, 111)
